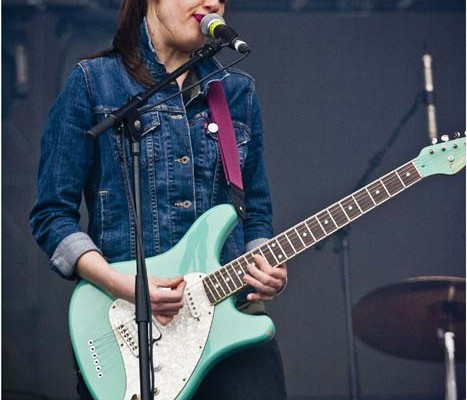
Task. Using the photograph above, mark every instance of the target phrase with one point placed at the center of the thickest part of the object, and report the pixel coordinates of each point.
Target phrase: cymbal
(404, 318)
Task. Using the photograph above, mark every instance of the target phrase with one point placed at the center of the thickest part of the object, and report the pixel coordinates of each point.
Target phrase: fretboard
(228, 279)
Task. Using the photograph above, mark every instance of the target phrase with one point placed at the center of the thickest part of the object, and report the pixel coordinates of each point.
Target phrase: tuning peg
(445, 138)
(457, 135)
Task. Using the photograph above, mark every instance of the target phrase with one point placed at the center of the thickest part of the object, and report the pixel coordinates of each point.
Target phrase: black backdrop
(332, 89)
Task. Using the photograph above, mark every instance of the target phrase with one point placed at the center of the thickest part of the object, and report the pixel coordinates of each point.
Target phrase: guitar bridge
(121, 317)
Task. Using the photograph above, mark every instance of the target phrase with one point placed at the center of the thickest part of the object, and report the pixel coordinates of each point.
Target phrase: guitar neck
(227, 280)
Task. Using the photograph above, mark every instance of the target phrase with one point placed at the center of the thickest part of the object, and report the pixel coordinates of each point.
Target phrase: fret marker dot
(377, 192)
(280, 255)
(407, 174)
(350, 208)
(304, 235)
(273, 245)
(326, 222)
(227, 279)
(239, 272)
(216, 285)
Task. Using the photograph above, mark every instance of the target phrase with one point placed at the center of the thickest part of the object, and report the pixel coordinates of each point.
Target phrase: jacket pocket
(242, 136)
(150, 136)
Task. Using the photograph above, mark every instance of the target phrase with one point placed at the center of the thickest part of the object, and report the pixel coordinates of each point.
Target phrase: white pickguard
(180, 343)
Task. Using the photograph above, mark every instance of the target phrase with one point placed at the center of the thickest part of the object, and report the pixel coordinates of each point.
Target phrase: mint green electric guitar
(209, 327)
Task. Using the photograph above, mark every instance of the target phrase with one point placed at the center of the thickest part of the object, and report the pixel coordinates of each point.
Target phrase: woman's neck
(171, 57)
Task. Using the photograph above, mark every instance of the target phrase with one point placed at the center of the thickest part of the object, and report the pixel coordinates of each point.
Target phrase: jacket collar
(152, 62)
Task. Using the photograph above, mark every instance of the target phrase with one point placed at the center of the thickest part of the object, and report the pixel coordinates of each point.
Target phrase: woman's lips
(198, 17)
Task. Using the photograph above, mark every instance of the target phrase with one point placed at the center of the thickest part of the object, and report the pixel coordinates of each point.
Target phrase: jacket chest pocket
(150, 138)
(208, 142)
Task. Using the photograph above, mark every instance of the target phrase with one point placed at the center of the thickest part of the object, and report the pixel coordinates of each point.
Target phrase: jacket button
(185, 160)
(187, 204)
(184, 204)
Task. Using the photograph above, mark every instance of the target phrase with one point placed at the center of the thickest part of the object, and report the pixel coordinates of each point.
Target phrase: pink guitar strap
(220, 115)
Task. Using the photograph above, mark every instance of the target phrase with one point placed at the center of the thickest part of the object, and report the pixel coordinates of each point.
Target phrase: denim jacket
(181, 169)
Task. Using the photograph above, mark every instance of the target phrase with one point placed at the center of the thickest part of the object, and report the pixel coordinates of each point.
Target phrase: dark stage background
(333, 86)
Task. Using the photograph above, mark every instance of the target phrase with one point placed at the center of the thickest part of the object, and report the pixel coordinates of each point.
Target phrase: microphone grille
(207, 20)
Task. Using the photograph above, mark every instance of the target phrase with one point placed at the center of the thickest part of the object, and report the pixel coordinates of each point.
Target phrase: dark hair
(126, 41)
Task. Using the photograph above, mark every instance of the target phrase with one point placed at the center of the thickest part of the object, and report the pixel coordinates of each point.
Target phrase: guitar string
(393, 180)
(391, 183)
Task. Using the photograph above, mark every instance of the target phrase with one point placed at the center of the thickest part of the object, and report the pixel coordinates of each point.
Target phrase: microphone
(214, 26)
(430, 98)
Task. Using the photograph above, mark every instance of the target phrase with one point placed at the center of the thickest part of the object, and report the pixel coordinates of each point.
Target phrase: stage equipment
(214, 26)
(430, 98)
(417, 318)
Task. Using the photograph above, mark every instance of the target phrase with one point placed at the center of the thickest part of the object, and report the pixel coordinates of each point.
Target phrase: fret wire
(358, 205)
(259, 249)
(235, 274)
(338, 215)
(219, 282)
(211, 297)
(266, 250)
(384, 187)
(284, 244)
(294, 238)
(371, 197)
(345, 212)
(316, 224)
(291, 244)
(282, 250)
(364, 200)
(322, 227)
(300, 237)
(393, 184)
(304, 233)
(214, 287)
(403, 184)
(333, 220)
(246, 259)
(378, 195)
(326, 222)
(229, 280)
(241, 272)
(410, 172)
(351, 207)
(230, 277)
(309, 230)
(225, 280)
(272, 252)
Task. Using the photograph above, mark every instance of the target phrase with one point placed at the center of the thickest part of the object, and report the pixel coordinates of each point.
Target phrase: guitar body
(103, 332)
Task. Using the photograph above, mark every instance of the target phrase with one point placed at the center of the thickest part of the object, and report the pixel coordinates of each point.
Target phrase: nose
(214, 6)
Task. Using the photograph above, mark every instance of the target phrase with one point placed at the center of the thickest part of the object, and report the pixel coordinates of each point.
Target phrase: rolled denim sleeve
(67, 158)
(257, 196)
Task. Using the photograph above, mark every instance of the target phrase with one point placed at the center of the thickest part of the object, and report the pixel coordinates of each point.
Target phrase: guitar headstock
(447, 157)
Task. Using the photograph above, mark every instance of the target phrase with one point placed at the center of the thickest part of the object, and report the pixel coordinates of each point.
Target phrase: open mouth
(198, 17)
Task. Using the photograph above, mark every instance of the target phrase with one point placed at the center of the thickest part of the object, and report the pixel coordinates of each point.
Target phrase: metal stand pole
(449, 351)
(353, 375)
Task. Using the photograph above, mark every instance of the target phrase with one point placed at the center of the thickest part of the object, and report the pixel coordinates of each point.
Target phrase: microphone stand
(342, 247)
(127, 119)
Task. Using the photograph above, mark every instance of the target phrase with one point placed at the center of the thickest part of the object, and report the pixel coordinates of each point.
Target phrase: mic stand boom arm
(117, 117)
(127, 119)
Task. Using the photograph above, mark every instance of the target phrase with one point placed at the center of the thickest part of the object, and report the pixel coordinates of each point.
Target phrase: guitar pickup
(121, 317)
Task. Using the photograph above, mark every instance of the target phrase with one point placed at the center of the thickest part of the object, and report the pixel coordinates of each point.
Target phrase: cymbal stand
(447, 337)
(449, 361)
